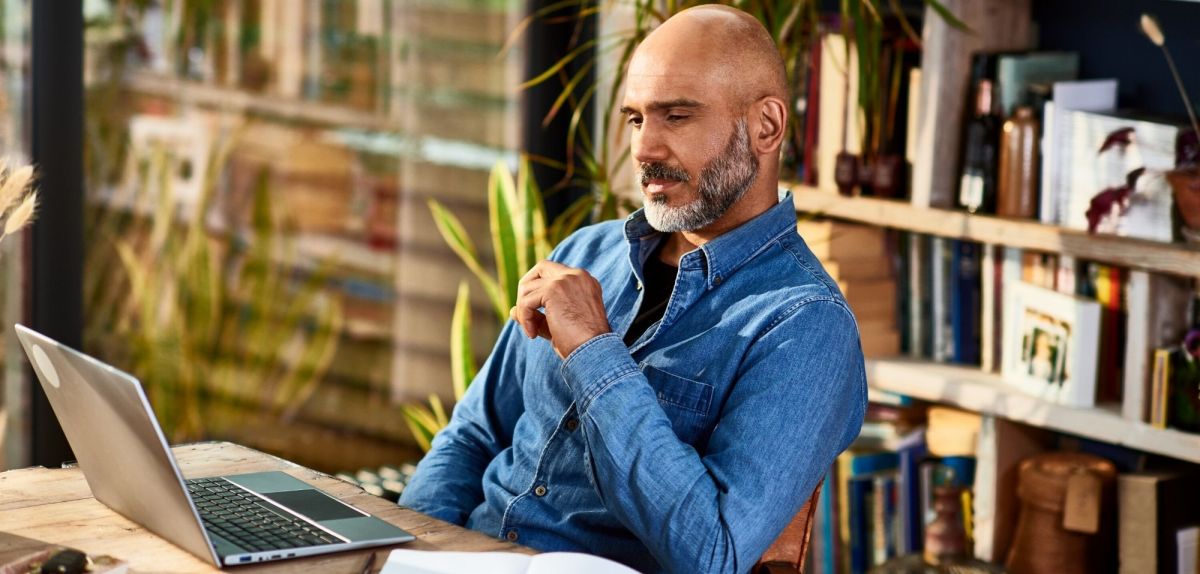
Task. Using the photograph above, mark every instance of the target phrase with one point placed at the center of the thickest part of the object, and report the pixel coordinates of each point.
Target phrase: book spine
(965, 307)
(828, 533)
(918, 302)
(879, 520)
(910, 499)
(859, 505)
(903, 267)
(941, 267)
(1160, 388)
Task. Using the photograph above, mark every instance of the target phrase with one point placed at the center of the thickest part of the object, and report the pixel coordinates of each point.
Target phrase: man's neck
(754, 203)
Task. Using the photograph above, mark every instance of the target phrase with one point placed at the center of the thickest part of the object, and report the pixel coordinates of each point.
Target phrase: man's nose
(648, 146)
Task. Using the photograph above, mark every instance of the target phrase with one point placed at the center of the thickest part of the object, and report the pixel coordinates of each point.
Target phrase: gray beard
(721, 184)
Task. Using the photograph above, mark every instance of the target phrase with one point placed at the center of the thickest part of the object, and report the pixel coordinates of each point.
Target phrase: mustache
(649, 171)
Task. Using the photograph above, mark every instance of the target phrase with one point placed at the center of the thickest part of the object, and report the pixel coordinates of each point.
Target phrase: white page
(575, 563)
(403, 561)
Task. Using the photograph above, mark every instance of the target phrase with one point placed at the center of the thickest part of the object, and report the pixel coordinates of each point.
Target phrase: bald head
(706, 101)
(725, 48)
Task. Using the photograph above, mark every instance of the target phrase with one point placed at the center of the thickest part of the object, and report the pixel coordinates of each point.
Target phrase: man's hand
(573, 302)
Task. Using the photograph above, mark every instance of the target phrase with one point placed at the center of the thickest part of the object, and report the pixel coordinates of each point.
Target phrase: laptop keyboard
(244, 519)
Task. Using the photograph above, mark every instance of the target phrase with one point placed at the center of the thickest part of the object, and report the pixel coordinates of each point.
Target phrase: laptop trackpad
(313, 504)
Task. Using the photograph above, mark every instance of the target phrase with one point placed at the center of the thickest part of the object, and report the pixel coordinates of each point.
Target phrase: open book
(430, 562)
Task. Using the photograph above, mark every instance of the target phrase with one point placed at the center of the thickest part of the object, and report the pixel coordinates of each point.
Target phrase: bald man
(672, 387)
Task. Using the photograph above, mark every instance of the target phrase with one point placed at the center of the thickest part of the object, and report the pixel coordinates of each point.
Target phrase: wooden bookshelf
(971, 389)
(1174, 258)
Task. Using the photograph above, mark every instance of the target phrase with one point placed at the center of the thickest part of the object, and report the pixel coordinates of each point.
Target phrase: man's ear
(768, 123)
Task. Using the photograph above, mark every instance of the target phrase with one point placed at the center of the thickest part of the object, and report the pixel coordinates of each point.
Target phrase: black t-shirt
(660, 281)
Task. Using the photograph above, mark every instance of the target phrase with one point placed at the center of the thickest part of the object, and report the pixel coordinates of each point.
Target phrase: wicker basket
(1041, 543)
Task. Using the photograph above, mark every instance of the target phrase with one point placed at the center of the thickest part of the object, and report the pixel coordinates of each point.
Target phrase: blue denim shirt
(686, 452)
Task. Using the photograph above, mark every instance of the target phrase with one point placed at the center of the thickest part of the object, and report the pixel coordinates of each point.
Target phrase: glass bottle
(977, 186)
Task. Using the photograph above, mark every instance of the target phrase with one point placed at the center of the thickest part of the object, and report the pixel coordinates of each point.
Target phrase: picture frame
(1050, 347)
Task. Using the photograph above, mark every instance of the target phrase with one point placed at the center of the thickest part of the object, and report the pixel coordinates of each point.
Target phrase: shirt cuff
(596, 365)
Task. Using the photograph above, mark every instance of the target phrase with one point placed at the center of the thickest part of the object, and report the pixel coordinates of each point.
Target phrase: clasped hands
(573, 303)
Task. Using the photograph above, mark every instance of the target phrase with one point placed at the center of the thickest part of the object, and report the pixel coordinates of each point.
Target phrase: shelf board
(1172, 258)
(986, 393)
(232, 99)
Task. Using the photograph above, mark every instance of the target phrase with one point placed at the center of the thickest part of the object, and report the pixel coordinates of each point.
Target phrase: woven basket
(1041, 544)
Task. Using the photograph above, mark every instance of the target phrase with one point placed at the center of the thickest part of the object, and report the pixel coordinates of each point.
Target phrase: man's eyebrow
(665, 105)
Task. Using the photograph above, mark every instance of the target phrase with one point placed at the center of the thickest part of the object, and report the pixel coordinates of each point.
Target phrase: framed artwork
(1050, 344)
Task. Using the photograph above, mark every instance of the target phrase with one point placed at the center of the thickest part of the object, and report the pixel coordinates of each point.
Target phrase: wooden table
(56, 506)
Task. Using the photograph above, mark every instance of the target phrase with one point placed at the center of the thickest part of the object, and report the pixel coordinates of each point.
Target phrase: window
(259, 249)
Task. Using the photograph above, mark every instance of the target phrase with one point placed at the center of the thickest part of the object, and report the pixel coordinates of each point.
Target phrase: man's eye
(676, 118)
(635, 121)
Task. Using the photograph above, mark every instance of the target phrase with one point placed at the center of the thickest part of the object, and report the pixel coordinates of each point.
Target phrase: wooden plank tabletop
(56, 506)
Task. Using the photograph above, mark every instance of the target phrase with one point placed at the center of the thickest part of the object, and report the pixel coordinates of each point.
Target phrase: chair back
(786, 555)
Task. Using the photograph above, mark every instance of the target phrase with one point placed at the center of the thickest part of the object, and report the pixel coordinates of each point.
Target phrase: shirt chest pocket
(686, 402)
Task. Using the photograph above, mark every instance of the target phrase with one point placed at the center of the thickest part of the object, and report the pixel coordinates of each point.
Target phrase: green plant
(520, 238)
(215, 325)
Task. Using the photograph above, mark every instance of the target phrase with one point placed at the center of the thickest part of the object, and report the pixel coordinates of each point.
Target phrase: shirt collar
(725, 254)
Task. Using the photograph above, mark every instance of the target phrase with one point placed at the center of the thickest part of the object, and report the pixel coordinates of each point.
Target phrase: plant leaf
(904, 23)
(562, 62)
(502, 199)
(439, 412)
(947, 15)
(455, 236)
(414, 417)
(533, 207)
(525, 22)
(567, 90)
(462, 360)
(571, 218)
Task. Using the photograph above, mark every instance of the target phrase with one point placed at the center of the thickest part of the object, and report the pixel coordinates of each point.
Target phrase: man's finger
(527, 286)
(533, 273)
(547, 268)
(544, 329)
(526, 312)
(535, 325)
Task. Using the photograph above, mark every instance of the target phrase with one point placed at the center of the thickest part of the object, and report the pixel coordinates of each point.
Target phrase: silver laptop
(227, 520)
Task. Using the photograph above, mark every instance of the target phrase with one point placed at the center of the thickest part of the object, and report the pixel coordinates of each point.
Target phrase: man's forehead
(662, 74)
(678, 89)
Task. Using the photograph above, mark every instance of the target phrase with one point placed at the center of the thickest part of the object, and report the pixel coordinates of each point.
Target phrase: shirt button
(572, 424)
(512, 536)
(639, 286)
(540, 490)
(717, 280)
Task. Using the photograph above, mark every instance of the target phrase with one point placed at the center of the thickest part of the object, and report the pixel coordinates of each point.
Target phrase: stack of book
(856, 257)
